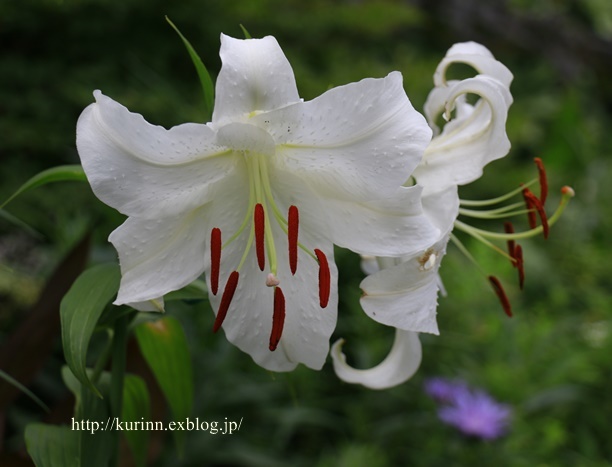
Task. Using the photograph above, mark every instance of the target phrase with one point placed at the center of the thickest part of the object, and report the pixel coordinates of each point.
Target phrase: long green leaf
(136, 408)
(80, 310)
(52, 446)
(63, 173)
(9, 379)
(92, 420)
(205, 79)
(164, 346)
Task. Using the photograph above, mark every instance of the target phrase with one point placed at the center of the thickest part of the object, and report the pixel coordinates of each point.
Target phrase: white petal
(388, 227)
(478, 57)
(391, 226)
(160, 255)
(405, 296)
(441, 206)
(369, 264)
(145, 170)
(255, 76)
(398, 367)
(458, 155)
(359, 141)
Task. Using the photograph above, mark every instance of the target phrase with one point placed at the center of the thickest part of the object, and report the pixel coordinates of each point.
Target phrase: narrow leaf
(79, 312)
(245, 32)
(136, 408)
(164, 346)
(9, 379)
(63, 173)
(52, 446)
(205, 80)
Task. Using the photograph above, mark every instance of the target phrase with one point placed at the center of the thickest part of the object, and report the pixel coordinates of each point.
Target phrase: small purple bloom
(474, 413)
(477, 414)
(444, 390)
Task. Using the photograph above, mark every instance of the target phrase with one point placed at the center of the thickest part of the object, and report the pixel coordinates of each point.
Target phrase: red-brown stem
(259, 221)
(278, 318)
(293, 222)
(226, 299)
(543, 180)
(518, 255)
(215, 259)
(324, 278)
(535, 202)
(501, 294)
(509, 229)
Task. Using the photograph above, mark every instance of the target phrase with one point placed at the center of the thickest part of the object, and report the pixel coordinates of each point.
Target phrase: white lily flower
(403, 293)
(256, 198)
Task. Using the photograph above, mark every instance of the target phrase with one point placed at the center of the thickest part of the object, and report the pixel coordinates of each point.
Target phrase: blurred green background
(551, 362)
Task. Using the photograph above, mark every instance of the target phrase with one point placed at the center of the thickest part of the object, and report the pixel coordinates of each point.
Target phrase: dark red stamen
(324, 278)
(509, 229)
(259, 220)
(535, 202)
(215, 259)
(543, 180)
(501, 294)
(293, 221)
(226, 299)
(278, 319)
(518, 255)
(531, 215)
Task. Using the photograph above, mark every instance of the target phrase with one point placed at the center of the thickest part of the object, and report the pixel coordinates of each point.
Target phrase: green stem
(117, 376)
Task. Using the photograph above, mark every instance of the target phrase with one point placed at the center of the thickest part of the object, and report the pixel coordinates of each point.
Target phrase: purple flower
(444, 390)
(473, 412)
(477, 414)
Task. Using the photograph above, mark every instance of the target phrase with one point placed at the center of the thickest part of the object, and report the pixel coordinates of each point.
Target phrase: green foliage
(80, 310)
(52, 446)
(136, 410)
(164, 347)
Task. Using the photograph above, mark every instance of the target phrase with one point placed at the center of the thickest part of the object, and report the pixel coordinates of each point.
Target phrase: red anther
(531, 215)
(501, 294)
(226, 299)
(215, 259)
(324, 278)
(509, 229)
(535, 202)
(278, 318)
(543, 180)
(518, 256)
(293, 222)
(259, 220)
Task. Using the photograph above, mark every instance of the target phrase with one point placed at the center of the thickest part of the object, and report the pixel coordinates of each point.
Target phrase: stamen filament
(293, 218)
(278, 318)
(215, 259)
(226, 299)
(567, 193)
(324, 278)
(466, 252)
(489, 202)
(493, 213)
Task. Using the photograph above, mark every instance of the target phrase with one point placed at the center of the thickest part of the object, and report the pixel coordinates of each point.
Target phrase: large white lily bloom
(256, 198)
(403, 293)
